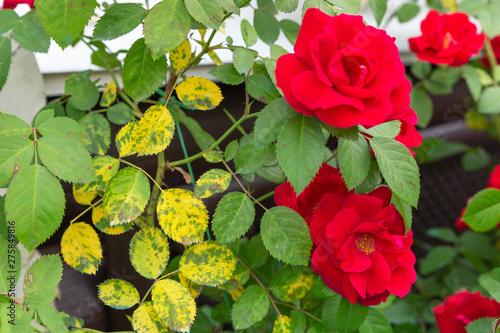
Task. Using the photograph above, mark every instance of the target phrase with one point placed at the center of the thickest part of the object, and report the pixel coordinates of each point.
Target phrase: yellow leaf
(199, 93)
(81, 248)
(152, 244)
(180, 56)
(118, 294)
(101, 222)
(236, 293)
(194, 288)
(182, 215)
(174, 305)
(292, 283)
(124, 140)
(146, 320)
(282, 324)
(211, 182)
(215, 58)
(82, 196)
(154, 131)
(105, 167)
(208, 264)
(109, 95)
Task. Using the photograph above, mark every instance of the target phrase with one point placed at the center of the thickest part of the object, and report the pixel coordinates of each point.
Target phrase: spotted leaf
(109, 95)
(81, 248)
(193, 288)
(211, 182)
(99, 131)
(105, 168)
(82, 196)
(292, 283)
(118, 294)
(124, 140)
(282, 324)
(101, 222)
(174, 305)
(182, 215)
(149, 252)
(146, 320)
(180, 56)
(154, 131)
(199, 93)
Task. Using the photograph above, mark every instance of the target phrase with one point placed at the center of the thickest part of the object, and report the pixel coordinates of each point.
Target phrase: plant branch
(299, 309)
(86, 210)
(160, 171)
(141, 170)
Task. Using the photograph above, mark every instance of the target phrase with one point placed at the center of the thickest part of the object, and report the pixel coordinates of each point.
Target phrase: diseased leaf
(99, 131)
(81, 248)
(251, 307)
(233, 217)
(82, 196)
(126, 196)
(292, 283)
(248, 33)
(193, 288)
(109, 95)
(154, 131)
(182, 216)
(146, 320)
(180, 56)
(16, 153)
(64, 126)
(282, 324)
(125, 141)
(211, 182)
(40, 280)
(207, 12)
(119, 19)
(84, 93)
(12, 125)
(120, 114)
(118, 294)
(101, 222)
(152, 244)
(199, 93)
(105, 167)
(261, 87)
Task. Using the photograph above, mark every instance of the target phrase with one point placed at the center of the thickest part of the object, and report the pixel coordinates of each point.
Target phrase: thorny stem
(86, 210)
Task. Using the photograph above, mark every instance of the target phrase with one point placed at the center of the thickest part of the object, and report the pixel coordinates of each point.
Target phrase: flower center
(355, 71)
(366, 243)
(447, 40)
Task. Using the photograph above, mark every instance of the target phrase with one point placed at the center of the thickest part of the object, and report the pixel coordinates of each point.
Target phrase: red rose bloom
(361, 251)
(343, 72)
(495, 45)
(11, 4)
(449, 39)
(459, 310)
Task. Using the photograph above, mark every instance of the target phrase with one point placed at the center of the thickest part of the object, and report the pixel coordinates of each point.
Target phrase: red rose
(343, 72)
(361, 251)
(449, 39)
(495, 45)
(459, 310)
(11, 4)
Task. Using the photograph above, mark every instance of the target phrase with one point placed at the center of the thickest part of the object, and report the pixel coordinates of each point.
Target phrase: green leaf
(84, 93)
(73, 113)
(228, 74)
(297, 150)
(66, 127)
(57, 108)
(442, 80)
(233, 217)
(388, 129)
(286, 235)
(491, 282)
(442, 233)
(243, 60)
(489, 102)
(211, 182)
(354, 160)
(81, 248)
(421, 103)
(118, 294)
(99, 131)
(64, 20)
(66, 158)
(248, 33)
(29, 33)
(119, 19)
(165, 27)
(10, 259)
(473, 81)
(142, 75)
(329, 314)
(203, 139)
(120, 114)
(407, 11)
(475, 159)
(323, 5)
(250, 159)
(483, 211)
(266, 25)
(207, 12)
(149, 243)
(286, 6)
(40, 280)
(347, 6)
(12, 125)
(43, 115)
(375, 322)
(251, 307)
(231, 150)
(5, 59)
(16, 153)
(254, 253)
(321, 290)
(270, 122)
(22, 321)
(476, 245)
(35, 202)
(483, 325)
(350, 316)
(126, 196)
(488, 18)
(262, 88)
(290, 29)
(292, 283)
(379, 7)
(52, 319)
(437, 258)
(398, 168)
(146, 320)
(8, 20)
(405, 210)
(435, 149)
(421, 69)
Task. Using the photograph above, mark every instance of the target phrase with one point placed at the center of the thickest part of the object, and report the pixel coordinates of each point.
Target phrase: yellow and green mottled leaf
(81, 248)
(154, 131)
(240, 276)
(282, 324)
(105, 167)
(180, 56)
(109, 95)
(174, 305)
(126, 196)
(182, 215)
(124, 140)
(99, 131)
(212, 156)
(149, 252)
(199, 93)
(101, 222)
(146, 320)
(211, 182)
(118, 294)
(292, 283)
(82, 196)
(208, 264)
(193, 288)
(236, 293)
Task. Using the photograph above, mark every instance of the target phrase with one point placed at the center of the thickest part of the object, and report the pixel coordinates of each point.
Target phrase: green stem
(264, 197)
(141, 170)
(86, 210)
(137, 112)
(160, 171)
(299, 309)
(230, 116)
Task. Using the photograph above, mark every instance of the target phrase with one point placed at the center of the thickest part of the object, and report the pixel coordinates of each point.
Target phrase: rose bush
(449, 39)
(361, 251)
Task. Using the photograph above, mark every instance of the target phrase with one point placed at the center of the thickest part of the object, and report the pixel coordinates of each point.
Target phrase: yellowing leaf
(240, 276)
(292, 283)
(81, 248)
(101, 222)
(236, 293)
(109, 95)
(282, 324)
(199, 93)
(174, 305)
(82, 196)
(208, 264)
(149, 252)
(154, 131)
(118, 294)
(180, 56)
(146, 320)
(105, 167)
(194, 288)
(211, 182)
(125, 142)
(182, 215)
